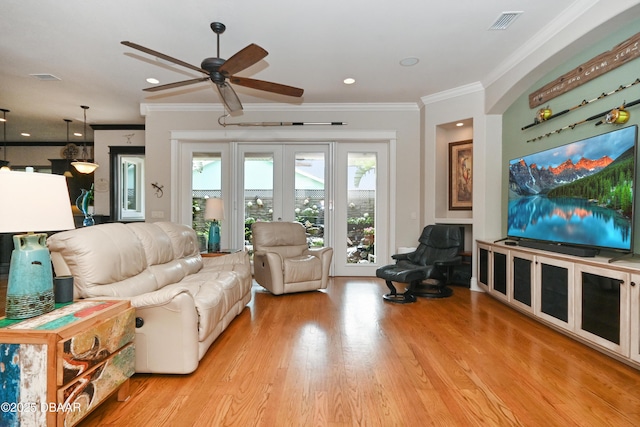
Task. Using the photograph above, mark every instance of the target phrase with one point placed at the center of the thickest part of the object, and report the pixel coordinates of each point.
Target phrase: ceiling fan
(222, 72)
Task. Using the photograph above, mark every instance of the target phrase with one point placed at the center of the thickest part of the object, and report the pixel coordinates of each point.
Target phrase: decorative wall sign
(461, 175)
(599, 65)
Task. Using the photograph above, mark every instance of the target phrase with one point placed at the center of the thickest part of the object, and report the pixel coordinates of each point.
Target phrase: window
(128, 195)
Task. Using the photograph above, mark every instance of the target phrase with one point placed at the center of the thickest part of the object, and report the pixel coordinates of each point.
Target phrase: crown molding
(146, 108)
(452, 93)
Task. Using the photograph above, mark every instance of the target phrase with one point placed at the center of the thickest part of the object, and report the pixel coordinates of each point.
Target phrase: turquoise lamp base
(30, 285)
(213, 244)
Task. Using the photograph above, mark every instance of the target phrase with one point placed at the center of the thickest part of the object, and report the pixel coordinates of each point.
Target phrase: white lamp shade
(34, 202)
(214, 209)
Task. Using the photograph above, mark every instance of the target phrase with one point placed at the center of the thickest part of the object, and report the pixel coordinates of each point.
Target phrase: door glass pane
(131, 189)
(258, 190)
(361, 203)
(310, 195)
(206, 182)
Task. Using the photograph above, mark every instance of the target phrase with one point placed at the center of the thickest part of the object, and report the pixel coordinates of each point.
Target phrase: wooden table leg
(123, 391)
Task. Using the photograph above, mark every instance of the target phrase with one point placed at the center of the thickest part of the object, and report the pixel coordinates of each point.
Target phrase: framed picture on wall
(461, 175)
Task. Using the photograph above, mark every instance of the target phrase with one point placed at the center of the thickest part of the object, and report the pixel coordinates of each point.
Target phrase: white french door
(361, 205)
(283, 182)
(340, 190)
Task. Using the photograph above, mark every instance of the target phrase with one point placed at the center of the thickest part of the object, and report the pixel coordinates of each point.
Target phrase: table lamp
(32, 202)
(214, 211)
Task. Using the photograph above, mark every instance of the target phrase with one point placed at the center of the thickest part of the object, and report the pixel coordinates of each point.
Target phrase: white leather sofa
(184, 301)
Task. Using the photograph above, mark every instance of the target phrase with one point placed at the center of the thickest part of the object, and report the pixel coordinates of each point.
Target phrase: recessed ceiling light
(77, 134)
(25, 134)
(349, 81)
(409, 62)
(153, 81)
(459, 124)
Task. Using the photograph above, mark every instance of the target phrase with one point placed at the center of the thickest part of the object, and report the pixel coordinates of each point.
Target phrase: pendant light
(84, 166)
(68, 173)
(5, 163)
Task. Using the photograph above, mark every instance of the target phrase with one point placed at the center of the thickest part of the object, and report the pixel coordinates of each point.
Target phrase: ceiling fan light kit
(222, 72)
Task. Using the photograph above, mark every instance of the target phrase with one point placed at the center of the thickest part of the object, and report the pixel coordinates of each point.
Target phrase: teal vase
(30, 285)
(213, 244)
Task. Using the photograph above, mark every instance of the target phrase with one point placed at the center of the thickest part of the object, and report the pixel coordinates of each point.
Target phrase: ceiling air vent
(45, 77)
(504, 20)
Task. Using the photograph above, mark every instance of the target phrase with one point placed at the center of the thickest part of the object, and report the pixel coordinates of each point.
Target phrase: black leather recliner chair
(439, 250)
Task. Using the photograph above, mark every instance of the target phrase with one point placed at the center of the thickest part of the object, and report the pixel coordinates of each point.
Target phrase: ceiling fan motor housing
(212, 65)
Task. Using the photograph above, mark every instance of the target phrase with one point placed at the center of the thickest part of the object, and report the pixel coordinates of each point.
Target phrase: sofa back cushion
(158, 249)
(184, 242)
(105, 260)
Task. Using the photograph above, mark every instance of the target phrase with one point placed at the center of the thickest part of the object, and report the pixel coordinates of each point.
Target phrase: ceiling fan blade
(229, 97)
(163, 56)
(175, 84)
(267, 86)
(243, 59)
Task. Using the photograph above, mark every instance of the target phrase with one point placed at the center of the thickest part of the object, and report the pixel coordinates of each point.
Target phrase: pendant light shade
(84, 166)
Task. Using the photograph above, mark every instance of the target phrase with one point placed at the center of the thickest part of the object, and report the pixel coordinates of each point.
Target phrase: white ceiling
(312, 44)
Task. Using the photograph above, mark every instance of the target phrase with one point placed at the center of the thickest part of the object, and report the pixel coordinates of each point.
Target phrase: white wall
(441, 110)
(103, 139)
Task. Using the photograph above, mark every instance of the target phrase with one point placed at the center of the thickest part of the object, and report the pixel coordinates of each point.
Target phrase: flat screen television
(579, 194)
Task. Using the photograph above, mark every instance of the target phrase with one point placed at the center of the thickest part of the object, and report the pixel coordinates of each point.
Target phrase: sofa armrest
(318, 252)
(157, 298)
(401, 256)
(167, 338)
(324, 254)
(166, 331)
(267, 267)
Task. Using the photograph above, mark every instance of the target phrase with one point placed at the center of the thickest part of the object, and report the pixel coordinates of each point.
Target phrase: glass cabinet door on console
(554, 301)
(484, 258)
(634, 296)
(522, 280)
(601, 297)
(500, 276)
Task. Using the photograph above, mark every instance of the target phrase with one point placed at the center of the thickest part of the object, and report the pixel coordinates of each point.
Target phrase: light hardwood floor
(346, 358)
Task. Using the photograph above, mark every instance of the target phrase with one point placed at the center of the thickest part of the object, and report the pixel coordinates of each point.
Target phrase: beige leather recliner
(283, 262)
